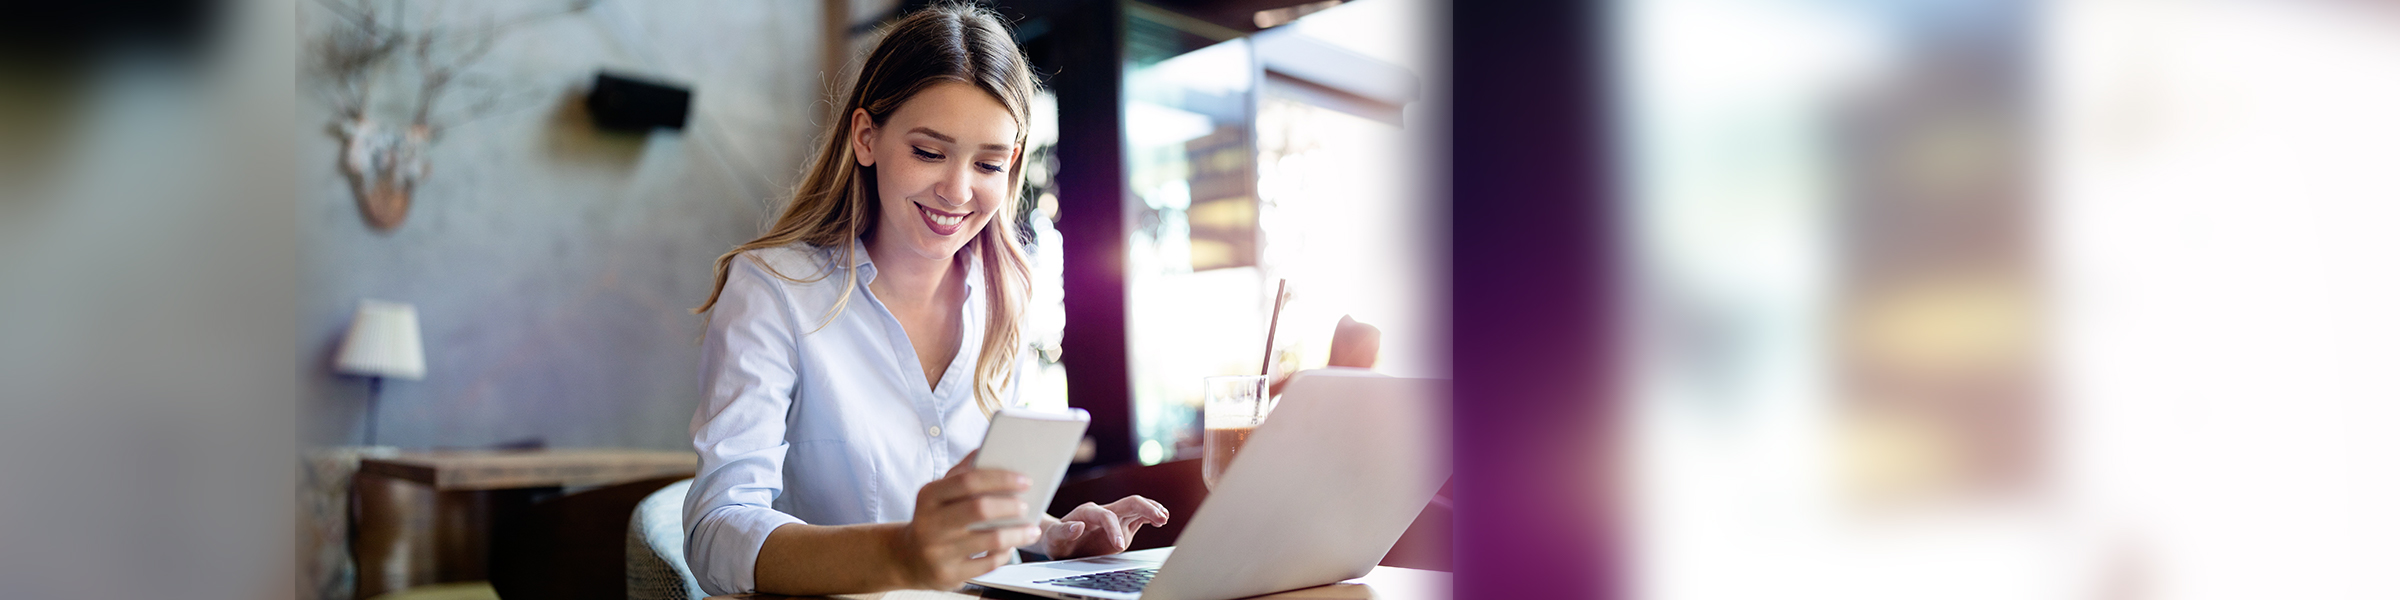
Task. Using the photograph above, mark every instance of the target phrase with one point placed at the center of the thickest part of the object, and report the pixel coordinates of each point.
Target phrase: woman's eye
(923, 154)
(991, 167)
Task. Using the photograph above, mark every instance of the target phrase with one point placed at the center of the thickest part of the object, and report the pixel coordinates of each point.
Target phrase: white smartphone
(1037, 444)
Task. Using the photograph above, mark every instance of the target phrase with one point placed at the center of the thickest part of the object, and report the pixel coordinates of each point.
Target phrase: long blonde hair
(836, 203)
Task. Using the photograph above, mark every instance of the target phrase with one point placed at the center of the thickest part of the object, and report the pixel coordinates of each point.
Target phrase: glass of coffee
(1235, 405)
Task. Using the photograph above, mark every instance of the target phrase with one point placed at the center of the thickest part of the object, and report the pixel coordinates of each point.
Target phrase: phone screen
(1036, 444)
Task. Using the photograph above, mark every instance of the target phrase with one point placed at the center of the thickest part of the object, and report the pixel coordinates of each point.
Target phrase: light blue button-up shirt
(830, 426)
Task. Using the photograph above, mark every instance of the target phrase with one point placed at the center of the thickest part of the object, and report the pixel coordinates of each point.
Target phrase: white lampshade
(383, 342)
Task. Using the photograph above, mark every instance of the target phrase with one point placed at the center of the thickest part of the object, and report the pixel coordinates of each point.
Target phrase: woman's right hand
(937, 551)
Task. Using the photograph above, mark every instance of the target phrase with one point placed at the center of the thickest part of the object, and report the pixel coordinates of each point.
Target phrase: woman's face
(941, 168)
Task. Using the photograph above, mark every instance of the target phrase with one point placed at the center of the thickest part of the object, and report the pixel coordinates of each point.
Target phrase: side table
(430, 517)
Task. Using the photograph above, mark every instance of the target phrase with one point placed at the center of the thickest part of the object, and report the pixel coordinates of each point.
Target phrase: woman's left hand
(1093, 530)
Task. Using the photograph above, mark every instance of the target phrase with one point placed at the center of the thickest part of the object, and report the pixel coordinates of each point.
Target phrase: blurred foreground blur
(146, 266)
(1982, 299)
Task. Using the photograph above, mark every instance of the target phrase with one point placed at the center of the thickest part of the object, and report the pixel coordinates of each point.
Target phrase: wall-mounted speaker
(631, 104)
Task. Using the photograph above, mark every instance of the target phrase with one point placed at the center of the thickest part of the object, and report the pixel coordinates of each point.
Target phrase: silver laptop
(1318, 495)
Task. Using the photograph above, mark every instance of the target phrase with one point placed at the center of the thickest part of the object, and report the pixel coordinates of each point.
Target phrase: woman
(856, 351)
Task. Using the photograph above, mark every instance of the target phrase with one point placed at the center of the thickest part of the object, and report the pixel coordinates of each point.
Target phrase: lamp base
(374, 404)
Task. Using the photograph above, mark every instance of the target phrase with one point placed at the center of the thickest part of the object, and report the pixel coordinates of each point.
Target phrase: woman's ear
(862, 137)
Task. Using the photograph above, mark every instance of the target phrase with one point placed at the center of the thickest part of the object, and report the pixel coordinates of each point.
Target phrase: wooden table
(460, 470)
(430, 517)
(1384, 583)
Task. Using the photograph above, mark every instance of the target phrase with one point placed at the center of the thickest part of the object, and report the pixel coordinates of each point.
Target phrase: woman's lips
(942, 223)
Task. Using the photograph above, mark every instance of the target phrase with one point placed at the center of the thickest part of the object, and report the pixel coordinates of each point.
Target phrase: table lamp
(382, 342)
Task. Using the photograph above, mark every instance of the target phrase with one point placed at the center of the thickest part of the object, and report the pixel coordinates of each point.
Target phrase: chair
(1355, 345)
(654, 566)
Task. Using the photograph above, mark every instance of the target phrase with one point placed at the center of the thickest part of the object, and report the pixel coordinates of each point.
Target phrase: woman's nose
(953, 188)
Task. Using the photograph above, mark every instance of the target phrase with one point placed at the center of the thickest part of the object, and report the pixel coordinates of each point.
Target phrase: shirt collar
(866, 266)
(860, 261)
(974, 272)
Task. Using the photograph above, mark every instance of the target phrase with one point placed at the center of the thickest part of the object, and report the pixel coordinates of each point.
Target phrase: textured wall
(552, 264)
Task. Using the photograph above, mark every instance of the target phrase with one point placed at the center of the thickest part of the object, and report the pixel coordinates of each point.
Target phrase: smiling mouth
(943, 223)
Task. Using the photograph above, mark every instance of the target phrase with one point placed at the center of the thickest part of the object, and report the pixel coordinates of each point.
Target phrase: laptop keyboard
(1128, 580)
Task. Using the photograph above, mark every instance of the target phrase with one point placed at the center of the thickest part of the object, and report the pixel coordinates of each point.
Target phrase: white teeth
(944, 220)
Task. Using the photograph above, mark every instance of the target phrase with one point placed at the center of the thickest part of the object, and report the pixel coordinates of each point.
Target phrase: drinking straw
(1269, 360)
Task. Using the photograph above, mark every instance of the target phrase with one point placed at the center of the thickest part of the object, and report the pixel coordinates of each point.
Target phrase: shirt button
(936, 431)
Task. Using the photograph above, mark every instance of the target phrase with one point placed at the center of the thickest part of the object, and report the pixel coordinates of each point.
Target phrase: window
(1277, 156)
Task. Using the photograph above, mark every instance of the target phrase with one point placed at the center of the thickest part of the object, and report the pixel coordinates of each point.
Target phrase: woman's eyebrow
(946, 139)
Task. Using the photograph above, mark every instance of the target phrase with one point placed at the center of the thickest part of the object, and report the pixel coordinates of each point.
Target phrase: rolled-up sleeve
(748, 371)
